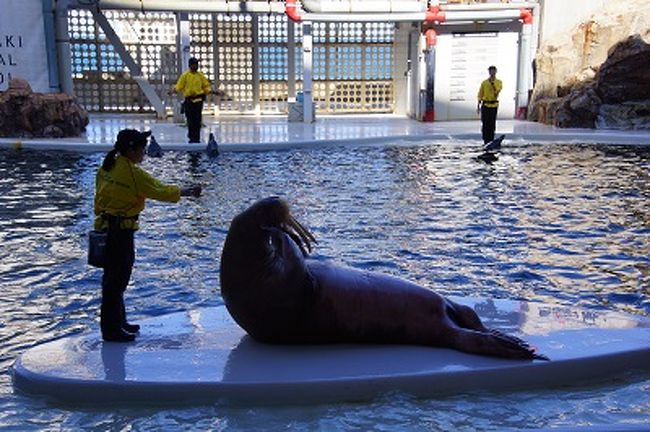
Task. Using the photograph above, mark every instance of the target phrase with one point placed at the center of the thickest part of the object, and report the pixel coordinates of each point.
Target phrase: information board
(22, 44)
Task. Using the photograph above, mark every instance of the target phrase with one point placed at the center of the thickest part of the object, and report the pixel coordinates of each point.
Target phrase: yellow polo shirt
(193, 84)
(123, 190)
(488, 93)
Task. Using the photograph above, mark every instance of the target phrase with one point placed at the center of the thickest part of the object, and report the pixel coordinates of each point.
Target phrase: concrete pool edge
(275, 133)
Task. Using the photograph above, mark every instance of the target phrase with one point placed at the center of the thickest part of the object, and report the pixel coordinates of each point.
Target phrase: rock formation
(25, 114)
(600, 78)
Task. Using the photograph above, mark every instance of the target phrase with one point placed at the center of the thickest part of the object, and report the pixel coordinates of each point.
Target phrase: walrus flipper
(495, 343)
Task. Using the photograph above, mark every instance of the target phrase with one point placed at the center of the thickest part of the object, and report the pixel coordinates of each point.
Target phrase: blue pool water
(566, 224)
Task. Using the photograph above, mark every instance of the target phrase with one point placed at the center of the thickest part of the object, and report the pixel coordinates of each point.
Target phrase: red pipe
(431, 37)
(291, 9)
(526, 16)
(434, 14)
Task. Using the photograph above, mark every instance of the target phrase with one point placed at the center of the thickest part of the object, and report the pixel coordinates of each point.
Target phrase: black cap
(193, 60)
(130, 138)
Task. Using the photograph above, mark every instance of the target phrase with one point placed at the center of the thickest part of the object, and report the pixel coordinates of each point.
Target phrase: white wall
(559, 16)
(22, 44)
(462, 61)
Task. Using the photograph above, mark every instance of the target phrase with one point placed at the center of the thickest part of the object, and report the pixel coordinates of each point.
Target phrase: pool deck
(251, 133)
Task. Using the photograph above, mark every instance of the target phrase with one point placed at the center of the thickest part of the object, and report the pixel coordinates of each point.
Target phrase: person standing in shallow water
(195, 88)
(488, 104)
(121, 188)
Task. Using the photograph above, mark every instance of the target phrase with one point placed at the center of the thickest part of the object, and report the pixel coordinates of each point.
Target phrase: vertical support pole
(525, 66)
(291, 61)
(63, 47)
(183, 55)
(185, 40)
(422, 78)
(216, 98)
(401, 69)
(430, 58)
(50, 45)
(308, 109)
(256, 65)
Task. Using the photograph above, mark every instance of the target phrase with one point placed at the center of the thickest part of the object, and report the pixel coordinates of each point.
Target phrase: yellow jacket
(489, 94)
(193, 84)
(122, 192)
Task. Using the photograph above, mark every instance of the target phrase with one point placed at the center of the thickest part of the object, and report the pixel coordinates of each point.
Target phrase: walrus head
(273, 213)
(263, 272)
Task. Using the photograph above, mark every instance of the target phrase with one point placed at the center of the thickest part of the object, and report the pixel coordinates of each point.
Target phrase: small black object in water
(154, 149)
(213, 147)
(495, 144)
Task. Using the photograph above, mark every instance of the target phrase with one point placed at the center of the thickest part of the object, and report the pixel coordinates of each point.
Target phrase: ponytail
(109, 160)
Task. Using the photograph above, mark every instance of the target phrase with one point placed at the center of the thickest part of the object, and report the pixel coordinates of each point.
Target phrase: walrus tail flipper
(494, 343)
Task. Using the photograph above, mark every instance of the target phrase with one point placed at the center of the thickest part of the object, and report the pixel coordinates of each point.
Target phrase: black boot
(118, 336)
(131, 328)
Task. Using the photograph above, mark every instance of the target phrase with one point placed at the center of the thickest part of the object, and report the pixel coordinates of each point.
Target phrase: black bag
(97, 248)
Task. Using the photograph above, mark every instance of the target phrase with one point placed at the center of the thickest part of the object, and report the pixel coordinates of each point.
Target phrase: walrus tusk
(303, 232)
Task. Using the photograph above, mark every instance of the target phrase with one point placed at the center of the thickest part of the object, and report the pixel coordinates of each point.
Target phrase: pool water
(566, 224)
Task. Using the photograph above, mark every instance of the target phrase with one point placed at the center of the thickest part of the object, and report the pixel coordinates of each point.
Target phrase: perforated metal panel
(245, 57)
(202, 47)
(353, 67)
(235, 59)
(273, 54)
(101, 80)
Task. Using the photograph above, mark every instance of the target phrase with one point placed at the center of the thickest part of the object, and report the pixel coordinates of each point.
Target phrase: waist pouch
(97, 248)
(97, 240)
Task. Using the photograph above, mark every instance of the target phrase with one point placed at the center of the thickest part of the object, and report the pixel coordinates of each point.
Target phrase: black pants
(193, 112)
(489, 120)
(120, 255)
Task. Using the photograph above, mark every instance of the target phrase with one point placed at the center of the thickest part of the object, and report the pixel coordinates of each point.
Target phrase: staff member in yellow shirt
(121, 188)
(488, 104)
(195, 88)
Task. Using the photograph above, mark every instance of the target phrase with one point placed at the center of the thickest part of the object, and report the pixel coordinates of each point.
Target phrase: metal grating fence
(245, 56)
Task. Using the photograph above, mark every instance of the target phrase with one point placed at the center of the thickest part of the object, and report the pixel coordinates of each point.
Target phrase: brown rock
(604, 61)
(580, 108)
(27, 114)
(19, 86)
(626, 115)
(625, 75)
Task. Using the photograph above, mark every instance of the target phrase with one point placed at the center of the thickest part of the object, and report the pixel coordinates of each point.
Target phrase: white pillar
(308, 111)
(291, 61)
(185, 40)
(525, 67)
(422, 78)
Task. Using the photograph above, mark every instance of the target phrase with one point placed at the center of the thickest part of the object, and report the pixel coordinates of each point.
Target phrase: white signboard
(462, 61)
(22, 44)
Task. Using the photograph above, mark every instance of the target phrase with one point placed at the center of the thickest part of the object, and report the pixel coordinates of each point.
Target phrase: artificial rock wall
(599, 75)
(25, 114)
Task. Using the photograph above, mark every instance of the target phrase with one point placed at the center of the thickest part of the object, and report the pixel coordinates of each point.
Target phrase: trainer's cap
(130, 138)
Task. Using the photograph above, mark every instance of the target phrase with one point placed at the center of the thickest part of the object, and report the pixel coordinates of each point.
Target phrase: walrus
(280, 296)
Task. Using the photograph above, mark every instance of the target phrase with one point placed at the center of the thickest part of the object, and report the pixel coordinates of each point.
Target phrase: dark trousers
(120, 255)
(489, 120)
(193, 111)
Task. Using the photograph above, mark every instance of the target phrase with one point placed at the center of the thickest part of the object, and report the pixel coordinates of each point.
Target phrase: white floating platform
(203, 356)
